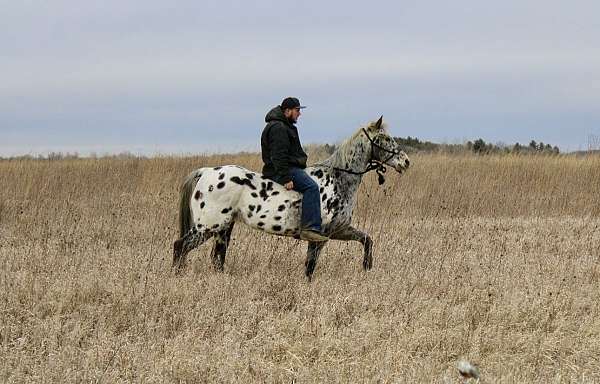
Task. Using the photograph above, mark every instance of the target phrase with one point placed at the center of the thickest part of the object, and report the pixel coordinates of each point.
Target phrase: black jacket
(281, 148)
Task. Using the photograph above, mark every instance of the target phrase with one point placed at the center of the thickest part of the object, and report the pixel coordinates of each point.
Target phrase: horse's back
(223, 182)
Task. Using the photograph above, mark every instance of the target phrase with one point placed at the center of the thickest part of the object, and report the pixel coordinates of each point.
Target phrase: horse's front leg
(312, 255)
(351, 233)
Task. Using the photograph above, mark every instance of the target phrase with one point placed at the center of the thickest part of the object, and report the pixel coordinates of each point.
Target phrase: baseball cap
(291, 103)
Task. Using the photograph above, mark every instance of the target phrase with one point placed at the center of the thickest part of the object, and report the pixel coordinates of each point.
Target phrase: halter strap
(379, 166)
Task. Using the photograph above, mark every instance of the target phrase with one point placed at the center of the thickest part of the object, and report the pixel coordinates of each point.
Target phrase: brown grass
(490, 259)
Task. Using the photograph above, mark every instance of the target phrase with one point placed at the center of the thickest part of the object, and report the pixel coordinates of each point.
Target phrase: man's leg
(311, 199)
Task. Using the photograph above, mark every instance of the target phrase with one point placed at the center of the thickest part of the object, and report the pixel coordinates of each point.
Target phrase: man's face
(292, 114)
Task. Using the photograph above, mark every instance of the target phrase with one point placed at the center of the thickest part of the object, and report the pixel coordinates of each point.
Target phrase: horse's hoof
(177, 268)
(218, 267)
(310, 269)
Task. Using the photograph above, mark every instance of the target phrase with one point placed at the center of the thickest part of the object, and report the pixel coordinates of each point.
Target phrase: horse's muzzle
(402, 166)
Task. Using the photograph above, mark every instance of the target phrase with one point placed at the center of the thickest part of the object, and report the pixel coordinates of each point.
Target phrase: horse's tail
(185, 212)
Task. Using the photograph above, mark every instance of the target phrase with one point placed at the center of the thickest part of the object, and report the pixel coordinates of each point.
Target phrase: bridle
(374, 164)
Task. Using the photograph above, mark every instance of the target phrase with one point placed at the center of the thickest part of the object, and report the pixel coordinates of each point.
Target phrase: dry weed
(490, 259)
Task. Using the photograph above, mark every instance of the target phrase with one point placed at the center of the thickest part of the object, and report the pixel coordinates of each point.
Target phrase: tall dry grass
(490, 259)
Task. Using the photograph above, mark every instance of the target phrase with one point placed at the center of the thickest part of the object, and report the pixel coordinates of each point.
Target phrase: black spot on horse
(275, 193)
(210, 188)
(239, 181)
(277, 228)
(226, 210)
(250, 175)
(324, 197)
(215, 226)
(332, 204)
(221, 176)
(286, 201)
(254, 194)
(251, 207)
(277, 218)
(263, 194)
(319, 173)
(221, 185)
(321, 190)
(281, 208)
(263, 216)
(199, 226)
(270, 186)
(258, 208)
(260, 224)
(263, 191)
(217, 168)
(202, 205)
(197, 195)
(249, 214)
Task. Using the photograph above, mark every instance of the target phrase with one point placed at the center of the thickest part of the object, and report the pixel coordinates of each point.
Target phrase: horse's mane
(345, 151)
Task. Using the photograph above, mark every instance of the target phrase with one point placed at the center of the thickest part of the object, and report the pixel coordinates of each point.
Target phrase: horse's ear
(378, 123)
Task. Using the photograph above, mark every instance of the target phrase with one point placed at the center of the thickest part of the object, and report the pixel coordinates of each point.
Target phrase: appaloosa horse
(213, 199)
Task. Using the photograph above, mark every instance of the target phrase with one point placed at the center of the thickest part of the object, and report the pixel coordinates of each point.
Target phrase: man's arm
(279, 142)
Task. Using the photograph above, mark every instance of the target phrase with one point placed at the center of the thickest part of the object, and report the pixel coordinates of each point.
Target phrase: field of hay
(494, 260)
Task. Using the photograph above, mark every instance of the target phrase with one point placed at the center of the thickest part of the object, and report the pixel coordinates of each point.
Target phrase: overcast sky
(199, 76)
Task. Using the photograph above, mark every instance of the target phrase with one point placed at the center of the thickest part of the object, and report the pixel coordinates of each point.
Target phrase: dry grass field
(495, 260)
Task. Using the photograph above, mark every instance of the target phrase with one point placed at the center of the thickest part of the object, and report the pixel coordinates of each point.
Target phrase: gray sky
(199, 76)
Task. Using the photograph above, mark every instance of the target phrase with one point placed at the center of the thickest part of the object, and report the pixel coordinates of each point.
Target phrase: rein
(377, 165)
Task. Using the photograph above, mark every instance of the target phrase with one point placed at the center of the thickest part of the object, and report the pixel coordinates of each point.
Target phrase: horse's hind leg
(219, 250)
(312, 255)
(183, 246)
(368, 252)
(351, 233)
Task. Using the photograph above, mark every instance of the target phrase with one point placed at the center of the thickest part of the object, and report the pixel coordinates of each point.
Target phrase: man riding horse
(213, 199)
(285, 161)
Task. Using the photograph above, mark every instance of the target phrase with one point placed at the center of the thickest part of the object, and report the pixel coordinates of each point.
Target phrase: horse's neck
(354, 155)
(356, 158)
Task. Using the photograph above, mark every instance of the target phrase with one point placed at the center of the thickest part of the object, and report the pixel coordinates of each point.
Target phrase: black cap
(291, 103)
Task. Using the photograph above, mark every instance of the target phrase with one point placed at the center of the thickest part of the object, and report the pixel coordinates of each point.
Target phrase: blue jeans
(311, 199)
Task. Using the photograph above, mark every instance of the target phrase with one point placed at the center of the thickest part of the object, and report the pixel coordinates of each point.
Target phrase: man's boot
(312, 235)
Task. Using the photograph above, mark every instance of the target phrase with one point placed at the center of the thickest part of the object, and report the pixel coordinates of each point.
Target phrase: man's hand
(289, 185)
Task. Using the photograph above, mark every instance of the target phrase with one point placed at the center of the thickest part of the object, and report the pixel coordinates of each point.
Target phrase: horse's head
(385, 149)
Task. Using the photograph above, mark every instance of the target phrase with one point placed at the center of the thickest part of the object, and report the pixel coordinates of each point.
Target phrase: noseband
(374, 164)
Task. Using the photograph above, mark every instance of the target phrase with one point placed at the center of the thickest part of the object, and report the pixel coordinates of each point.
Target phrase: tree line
(479, 146)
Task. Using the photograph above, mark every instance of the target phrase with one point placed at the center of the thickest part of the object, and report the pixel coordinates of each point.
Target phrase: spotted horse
(214, 199)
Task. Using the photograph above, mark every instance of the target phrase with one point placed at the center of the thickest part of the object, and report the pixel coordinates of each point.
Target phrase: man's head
(291, 108)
